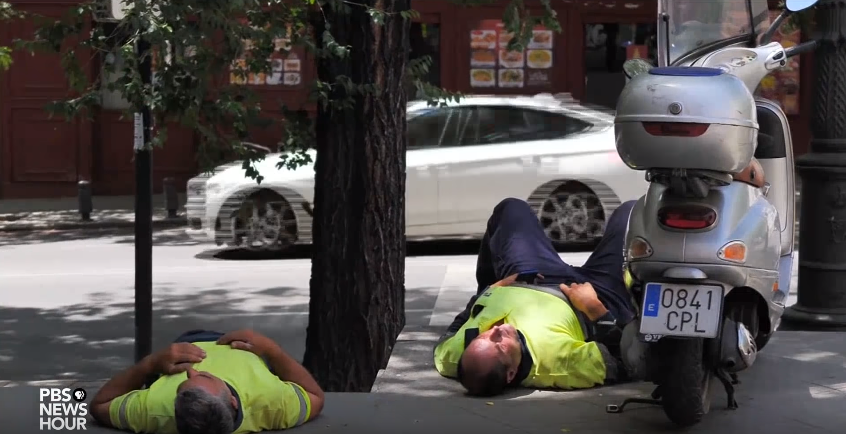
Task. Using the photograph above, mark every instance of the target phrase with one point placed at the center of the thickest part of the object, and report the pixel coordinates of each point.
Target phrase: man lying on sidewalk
(547, 324)
(211, 383)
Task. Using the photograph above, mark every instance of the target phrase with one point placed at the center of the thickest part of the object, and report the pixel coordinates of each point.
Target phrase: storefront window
(607, 46)
(285, 68)
(425, 40)
(493, 66)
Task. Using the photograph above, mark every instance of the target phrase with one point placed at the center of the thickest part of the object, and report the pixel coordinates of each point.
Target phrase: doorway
(607, 46)
(425, 40)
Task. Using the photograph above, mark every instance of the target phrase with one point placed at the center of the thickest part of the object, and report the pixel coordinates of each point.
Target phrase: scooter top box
(686, 118)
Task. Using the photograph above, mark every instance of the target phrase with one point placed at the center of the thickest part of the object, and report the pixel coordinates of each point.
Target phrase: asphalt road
(66, 300)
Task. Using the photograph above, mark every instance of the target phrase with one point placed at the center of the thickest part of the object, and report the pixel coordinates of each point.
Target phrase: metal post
(170, 196)
(143, 216)
(822, 222)
(85, 203)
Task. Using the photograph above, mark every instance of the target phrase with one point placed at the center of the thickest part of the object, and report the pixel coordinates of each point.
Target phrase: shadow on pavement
(417, 248)
(413, 249)
(161, 237)
(797, 383)
(95, 338)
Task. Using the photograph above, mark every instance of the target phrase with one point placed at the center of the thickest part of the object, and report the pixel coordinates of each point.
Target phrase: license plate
(681, 310)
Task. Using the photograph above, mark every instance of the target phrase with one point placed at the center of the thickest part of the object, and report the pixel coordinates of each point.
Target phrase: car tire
(572, 217)
(265, 222)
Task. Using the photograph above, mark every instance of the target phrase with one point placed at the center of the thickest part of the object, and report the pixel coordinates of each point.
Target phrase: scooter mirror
(633, 67)
(798, 5)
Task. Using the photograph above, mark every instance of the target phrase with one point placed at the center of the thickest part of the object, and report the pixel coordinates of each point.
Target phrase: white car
(462, 160)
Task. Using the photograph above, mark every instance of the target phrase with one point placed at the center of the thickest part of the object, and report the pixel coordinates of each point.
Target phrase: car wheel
(572, 216)
(265, 222)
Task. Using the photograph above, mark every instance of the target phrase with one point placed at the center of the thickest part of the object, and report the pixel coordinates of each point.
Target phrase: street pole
(143, 215)
(822, 222)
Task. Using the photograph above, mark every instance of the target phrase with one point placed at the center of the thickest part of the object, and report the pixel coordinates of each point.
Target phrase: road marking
(458, 286)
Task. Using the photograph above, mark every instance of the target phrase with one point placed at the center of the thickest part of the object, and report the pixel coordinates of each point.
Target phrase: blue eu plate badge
(652, 299)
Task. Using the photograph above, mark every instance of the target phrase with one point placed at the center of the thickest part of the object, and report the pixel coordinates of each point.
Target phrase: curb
(114, 224)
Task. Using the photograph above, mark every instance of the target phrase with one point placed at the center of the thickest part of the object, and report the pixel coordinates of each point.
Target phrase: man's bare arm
(288, 369)
(122, 383)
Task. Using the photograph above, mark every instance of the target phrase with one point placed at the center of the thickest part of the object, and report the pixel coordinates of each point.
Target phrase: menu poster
(493, 65)
(782, 85)
(285, 69)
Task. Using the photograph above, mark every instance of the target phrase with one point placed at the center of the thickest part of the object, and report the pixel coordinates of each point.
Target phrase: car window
(547, 125)
(462, 127)
(425, 129)
(500, 125)
(447, 126)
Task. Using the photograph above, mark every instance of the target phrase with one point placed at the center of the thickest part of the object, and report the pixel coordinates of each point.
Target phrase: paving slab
(798, 382)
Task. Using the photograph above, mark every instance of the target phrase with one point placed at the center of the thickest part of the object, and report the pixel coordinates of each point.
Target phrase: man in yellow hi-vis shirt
(210, 383)
(535, 320)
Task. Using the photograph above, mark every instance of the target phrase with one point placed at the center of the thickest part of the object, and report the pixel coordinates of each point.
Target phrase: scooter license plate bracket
(681, 310)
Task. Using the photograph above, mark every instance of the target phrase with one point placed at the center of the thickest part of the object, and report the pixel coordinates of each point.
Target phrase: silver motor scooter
(711, 257)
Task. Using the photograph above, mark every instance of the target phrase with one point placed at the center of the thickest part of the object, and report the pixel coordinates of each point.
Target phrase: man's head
(753, 174)
(491, 360)
(204, 405)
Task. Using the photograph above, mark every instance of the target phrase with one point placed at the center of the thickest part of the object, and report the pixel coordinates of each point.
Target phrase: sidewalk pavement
(110, 212)
(798, 384)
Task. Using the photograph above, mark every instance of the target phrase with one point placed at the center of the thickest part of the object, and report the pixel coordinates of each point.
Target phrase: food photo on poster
(285, 67)
(492, 64)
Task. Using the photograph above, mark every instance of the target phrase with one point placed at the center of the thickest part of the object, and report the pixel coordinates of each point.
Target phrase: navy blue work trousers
(515, 243)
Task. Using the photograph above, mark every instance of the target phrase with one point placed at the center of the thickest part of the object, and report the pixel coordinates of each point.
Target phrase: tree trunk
(357, 304)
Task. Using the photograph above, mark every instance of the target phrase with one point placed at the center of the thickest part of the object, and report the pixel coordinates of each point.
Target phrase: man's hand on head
(583, 297)
(249, 340)
(176, 358)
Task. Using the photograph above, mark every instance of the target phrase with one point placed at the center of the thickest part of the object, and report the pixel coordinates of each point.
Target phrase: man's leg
(604, 267)
(516, 243)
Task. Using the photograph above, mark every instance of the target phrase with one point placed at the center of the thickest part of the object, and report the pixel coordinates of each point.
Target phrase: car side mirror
(633, 67)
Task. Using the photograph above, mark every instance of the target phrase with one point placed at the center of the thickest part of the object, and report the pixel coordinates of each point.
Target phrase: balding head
(490, 362)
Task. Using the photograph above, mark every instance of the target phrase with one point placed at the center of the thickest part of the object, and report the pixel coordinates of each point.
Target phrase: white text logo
(62, 409)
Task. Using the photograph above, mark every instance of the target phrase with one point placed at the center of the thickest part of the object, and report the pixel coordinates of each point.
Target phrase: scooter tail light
(639, 249)
(687, 217)
(734, 251)
(675, 129)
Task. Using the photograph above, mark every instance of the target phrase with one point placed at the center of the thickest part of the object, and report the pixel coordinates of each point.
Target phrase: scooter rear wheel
(685, 381)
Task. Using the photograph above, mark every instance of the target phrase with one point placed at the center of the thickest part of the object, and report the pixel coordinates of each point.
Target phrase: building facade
(44, 157)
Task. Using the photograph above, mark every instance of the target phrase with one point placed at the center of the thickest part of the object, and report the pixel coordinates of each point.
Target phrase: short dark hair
(199, 412)
(490, 383)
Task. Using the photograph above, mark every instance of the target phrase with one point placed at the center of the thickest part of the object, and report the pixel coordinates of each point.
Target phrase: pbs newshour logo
(62, 409)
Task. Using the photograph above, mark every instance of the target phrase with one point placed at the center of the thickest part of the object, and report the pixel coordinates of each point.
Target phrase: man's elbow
(316, 401)
(100, 413)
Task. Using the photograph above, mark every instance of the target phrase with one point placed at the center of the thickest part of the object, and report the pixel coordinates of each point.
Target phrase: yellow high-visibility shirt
(266, 402)
(554, 337)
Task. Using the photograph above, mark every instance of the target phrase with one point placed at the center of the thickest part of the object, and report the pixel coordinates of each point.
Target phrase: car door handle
(422, 168)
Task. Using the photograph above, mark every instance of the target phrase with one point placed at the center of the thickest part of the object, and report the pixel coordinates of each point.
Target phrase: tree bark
(357, 304)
